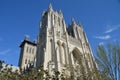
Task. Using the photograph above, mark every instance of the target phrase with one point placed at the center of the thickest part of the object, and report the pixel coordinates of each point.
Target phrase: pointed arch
(78, 61)
(64, 53)
(58, 42)
(51, 45)
(25, 61)
(59, 51)
(77, 56)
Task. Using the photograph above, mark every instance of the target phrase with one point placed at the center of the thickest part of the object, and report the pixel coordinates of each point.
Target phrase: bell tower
(58, 47)
(51, 25)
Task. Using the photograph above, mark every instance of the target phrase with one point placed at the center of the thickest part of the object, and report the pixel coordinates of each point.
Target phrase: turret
(73, 22)
(50, 7)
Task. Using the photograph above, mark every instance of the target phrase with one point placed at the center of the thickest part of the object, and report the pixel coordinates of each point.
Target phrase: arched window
(33, 51)
(77, 56)
(59, 21)
(27, 49)
(54, 19)
(29, 61)
(25, 61)
(52, 54)
(63, 26)
(30, 50)
(59, 51)
(65, 55)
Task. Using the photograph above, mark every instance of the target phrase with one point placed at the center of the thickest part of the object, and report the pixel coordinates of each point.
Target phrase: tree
(1, 64)
(108, 61)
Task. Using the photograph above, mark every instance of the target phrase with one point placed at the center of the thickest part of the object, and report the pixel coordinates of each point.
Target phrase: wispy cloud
(101, 43)
(5, 51)
(103, 37)
(112, 28)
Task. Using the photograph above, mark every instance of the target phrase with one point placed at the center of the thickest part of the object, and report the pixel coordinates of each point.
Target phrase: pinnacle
(79, 24)
(50, 7)
(60, 12)
(73, 21)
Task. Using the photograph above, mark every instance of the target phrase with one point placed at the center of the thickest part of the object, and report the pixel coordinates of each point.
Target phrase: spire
(79, 24)
(73, 21)
(50, 7)
(60, 12)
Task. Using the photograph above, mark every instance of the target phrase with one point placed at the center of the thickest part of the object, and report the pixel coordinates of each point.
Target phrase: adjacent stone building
(27, 53)
(58, 47)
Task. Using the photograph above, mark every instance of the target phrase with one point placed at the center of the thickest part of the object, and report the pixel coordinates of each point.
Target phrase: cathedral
(58, 46)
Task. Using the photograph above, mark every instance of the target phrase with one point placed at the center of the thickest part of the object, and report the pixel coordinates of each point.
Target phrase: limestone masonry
(58, 47)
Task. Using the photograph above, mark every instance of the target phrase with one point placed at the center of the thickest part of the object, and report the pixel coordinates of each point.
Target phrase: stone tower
(27, 53)
(60, 47)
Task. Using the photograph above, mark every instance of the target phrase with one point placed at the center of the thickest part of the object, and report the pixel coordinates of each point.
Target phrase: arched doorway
(77, 56)
(78, 64)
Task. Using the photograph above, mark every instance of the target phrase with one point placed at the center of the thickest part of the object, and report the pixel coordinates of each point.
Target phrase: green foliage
(1, 62)
(29, 74)
(108, 61)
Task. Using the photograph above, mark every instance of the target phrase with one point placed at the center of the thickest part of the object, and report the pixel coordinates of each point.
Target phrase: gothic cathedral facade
(58, 46)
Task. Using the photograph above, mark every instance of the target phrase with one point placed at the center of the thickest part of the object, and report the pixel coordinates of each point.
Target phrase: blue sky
(100, 20)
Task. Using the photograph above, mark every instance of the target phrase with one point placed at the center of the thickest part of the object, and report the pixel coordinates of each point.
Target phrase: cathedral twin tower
(57, 47)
